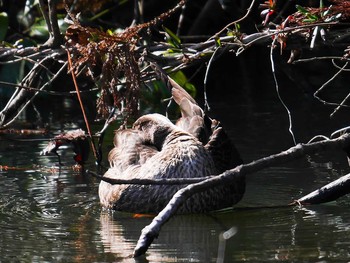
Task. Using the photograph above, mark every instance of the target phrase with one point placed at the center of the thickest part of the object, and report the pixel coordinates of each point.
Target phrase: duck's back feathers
(129, 149)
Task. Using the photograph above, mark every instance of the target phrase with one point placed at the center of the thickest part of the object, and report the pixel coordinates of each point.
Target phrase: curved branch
(152, 230)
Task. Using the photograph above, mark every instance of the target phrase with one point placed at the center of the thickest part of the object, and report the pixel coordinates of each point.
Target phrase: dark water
(53, 215)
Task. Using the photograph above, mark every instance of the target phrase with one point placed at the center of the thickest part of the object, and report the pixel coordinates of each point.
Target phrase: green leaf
(314, 17)
(39, 29)
(182, 80)
(4, 22)
(179, 77)
(230, 33)
(310, 17)
(174, 50)
(191, 89)
(172, 38)
(237, 27)
(302, 10)
(309, 20)
(110, 32)
(217, 42)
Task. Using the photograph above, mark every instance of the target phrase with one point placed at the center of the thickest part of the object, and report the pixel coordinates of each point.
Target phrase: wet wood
(138, 181)
(327, 193)
(24, 131)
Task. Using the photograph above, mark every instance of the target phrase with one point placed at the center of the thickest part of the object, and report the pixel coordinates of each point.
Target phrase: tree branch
(137, 181)
(55, 39)
(152, 230)
(23, 96)
(327, 193)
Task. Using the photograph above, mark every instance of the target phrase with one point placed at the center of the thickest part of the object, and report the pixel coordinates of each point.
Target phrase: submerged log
(327, 193)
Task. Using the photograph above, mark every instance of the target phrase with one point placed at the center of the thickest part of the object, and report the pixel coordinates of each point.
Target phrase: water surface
(49, 214)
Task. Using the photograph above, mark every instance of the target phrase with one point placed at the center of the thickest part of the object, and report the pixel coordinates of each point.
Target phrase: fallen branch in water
(163, 181)
(151, 231)
(327, 193)
(24, 131)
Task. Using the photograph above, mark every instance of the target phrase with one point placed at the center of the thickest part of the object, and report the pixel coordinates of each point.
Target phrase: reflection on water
(194, 237)
(53, 215)
(296, 234)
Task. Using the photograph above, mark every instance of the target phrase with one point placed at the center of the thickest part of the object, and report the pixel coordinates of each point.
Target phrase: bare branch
(237, 21)
(290, 129)
(327, 193)
(23, 97)
(326, 84)
(152, 230)
(55, 39)
(137, 181)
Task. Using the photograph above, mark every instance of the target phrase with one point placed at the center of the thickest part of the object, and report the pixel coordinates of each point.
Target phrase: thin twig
(235, 22)
(288, 30)
(181, 20)
(342, 104)
(322, 137)
(303, 60)
(290, 129)
(339, 67)
(325, 84)
(82, 106)
(340, 132)
(206, 104)
(50, 92)
(138, 12)
(32, 98)
(27, 58)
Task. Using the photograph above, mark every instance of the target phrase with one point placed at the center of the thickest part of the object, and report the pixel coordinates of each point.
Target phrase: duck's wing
(208, 131)
(192, 116)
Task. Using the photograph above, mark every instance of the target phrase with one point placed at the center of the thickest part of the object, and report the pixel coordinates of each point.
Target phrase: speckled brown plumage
(196, 146)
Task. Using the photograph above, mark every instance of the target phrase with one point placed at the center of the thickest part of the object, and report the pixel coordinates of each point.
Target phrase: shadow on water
(53, 215)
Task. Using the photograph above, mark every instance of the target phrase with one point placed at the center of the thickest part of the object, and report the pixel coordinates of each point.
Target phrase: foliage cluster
(118, 58)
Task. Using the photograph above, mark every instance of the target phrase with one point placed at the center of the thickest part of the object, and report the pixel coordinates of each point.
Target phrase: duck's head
(154, 128)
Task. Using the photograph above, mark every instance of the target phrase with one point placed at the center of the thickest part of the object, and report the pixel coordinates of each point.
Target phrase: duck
(156, 148)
